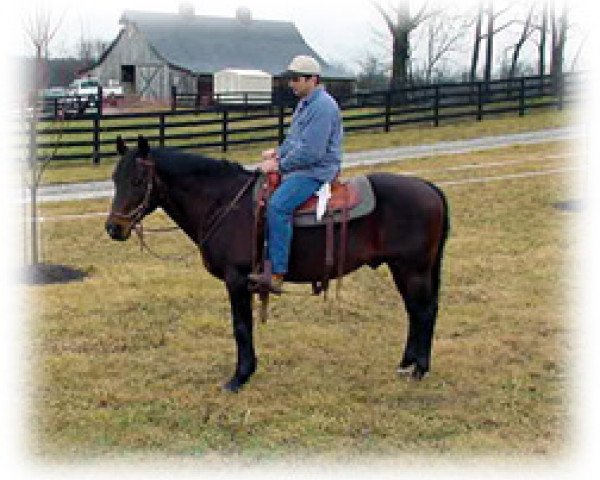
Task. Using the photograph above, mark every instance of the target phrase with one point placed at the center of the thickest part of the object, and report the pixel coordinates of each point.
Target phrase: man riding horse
(309, 157)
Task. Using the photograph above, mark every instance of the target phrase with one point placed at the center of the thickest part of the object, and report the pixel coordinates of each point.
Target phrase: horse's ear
(121, 147)
(143, 147)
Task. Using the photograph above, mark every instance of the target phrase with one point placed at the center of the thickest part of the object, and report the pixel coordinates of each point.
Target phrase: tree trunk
(476, 43)
(553, 39)
(542, 47)
(33, 159)
(559, 38)
(519, 45)
(489, 56)
(400, 51)
(33, 185)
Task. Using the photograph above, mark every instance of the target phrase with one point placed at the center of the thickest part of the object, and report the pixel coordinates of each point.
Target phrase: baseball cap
(303, 65)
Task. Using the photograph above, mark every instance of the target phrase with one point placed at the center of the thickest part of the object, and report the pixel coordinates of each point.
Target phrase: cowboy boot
(265, 281)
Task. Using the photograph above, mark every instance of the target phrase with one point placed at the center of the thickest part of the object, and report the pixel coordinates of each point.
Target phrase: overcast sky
(329, 26)
(341, 31)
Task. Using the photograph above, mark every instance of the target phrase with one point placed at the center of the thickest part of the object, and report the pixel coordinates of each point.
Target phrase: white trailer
(235, 86)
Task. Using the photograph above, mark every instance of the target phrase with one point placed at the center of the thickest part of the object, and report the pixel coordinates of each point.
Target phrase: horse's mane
(175, 162)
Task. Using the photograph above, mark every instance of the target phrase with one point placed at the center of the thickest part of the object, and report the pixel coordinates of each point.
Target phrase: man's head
(303, 75)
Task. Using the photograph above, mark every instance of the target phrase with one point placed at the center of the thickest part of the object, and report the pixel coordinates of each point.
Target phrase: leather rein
(136, 215)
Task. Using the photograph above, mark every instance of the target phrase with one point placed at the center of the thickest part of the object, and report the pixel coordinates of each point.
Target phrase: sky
(340, 31)
(328, 26)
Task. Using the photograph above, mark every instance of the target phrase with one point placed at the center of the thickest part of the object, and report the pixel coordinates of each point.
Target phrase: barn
(155, 51)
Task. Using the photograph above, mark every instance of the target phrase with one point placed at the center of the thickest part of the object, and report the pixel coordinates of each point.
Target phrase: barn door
(150, 82)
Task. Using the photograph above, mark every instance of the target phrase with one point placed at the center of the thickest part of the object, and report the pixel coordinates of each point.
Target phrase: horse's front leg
(241, 314)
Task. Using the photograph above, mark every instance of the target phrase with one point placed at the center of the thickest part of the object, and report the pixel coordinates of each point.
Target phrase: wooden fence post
(161, 130)
(281, 123)
(100, 101)
(436, 107)
(560, 84)
(522, 98)
(224, 131)
(97, 117)
(388, 110)
(173, 98)
(479, 101)
(96, 140)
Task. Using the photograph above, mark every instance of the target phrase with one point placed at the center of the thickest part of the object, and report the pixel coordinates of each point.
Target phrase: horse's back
(390, 187)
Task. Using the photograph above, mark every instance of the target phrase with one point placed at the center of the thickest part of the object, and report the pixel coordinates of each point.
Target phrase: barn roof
(204, 44)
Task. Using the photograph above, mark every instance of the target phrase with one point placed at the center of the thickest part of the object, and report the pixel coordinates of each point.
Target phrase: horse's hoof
(232, 386)
(418, 373)
(405, 371)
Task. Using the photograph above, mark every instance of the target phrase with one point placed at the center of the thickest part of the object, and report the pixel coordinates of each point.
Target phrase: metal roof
(204, 45)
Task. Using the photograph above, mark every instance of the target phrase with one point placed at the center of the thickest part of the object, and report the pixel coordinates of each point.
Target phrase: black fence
(232, 123)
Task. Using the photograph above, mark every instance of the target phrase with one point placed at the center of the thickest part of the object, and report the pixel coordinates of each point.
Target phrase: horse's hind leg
(420, 294)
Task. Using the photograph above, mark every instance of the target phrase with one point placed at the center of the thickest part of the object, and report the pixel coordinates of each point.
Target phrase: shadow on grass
(44, 274)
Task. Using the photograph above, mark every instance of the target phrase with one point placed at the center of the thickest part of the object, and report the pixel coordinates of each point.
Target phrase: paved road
(78, 191)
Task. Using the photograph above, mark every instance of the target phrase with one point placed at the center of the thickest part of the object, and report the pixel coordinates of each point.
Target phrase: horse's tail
(437, 270)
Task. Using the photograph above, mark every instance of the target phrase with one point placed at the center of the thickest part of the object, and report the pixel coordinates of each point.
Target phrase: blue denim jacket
(313, 144)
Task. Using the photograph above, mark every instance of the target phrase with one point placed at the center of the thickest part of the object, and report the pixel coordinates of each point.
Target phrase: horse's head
(134, 179)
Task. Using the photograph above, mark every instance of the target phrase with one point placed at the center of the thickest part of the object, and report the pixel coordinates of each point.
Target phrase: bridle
(134, 216)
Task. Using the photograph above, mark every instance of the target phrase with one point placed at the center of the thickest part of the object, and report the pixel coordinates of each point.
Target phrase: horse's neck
(191, 204)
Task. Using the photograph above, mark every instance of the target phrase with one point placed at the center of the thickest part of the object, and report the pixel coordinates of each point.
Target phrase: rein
(136, 215)
(216, 223)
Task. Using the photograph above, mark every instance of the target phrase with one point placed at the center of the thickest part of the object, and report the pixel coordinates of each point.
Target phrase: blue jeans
(292, 193)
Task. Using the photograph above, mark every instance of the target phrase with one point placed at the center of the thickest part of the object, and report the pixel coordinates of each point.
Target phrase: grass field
(130, 360)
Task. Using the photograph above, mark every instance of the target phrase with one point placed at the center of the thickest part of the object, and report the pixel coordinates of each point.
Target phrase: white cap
(303, 65)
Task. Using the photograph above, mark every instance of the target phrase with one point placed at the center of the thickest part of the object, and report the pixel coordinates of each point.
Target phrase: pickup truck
(82, 96)
(85, 87)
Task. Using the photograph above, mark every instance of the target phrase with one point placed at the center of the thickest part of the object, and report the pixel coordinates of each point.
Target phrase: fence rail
(227, 124)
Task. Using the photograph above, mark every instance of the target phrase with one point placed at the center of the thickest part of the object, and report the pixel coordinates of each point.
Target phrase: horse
(211, 200)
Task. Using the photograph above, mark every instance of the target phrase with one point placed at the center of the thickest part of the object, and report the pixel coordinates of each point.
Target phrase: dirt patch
(43, 274)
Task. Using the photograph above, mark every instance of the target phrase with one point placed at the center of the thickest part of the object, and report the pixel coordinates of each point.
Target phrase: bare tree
(372, 73)
(401, 24)
(443, 31)
(476, 41)
(40, 28)
(542, 45)
(492, 30)
(528, 29)
(90, 51)
(559, 27)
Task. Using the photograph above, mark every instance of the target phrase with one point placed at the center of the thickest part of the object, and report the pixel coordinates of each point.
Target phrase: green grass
(130, 360)
(78, 171)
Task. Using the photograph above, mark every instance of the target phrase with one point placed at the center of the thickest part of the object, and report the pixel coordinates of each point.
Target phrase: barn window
(128, 74)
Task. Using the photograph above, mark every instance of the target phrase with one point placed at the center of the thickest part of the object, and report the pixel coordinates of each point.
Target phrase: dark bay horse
(407, 231)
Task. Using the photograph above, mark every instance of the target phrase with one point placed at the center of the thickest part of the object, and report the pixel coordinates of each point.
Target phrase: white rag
(323, 195)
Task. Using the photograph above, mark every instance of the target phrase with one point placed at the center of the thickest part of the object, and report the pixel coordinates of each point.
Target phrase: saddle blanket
(355, 192)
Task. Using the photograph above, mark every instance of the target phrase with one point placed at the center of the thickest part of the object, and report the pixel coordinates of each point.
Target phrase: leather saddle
(354, 196)
(349, 200)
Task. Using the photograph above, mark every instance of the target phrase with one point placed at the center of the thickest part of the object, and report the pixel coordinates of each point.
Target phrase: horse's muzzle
(116, 231)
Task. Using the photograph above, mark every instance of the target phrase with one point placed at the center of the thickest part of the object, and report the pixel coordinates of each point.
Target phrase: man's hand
(269, 165)
(270, 161)
(269, 154)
